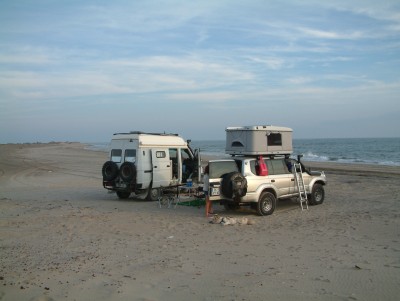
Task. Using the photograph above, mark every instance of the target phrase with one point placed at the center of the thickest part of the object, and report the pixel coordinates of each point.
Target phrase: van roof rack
(139, 132)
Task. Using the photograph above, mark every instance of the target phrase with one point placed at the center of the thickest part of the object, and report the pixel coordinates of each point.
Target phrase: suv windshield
(218, 169)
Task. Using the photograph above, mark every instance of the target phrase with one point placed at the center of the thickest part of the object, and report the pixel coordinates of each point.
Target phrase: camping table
(170, 198)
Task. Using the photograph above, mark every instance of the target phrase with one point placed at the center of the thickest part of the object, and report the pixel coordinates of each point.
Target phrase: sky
(83, 70)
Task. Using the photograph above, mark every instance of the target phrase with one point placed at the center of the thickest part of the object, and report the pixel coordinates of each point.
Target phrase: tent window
(274, 139)
(237, 144)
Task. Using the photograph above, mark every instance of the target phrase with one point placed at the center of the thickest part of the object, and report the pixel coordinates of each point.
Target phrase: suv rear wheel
(231, 206)
(266, 203)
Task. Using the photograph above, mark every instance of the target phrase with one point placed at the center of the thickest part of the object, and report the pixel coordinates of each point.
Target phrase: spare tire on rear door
(109, 171)
(234, 184)
(127, 172)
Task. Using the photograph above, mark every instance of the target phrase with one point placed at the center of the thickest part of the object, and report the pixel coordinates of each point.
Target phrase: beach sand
(64, 237)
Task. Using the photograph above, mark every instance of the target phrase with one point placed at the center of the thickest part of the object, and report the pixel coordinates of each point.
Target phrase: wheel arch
(316, 181)
(268, 189)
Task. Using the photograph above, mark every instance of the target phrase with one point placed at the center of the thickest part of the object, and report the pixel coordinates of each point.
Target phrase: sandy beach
(64, 237)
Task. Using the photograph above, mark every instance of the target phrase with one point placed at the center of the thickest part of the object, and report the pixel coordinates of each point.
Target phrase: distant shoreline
(328, 167)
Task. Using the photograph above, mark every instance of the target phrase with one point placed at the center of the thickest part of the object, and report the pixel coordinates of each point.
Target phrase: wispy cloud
(315, 33)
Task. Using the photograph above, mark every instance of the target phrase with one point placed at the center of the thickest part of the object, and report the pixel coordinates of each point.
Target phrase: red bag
(261, 167)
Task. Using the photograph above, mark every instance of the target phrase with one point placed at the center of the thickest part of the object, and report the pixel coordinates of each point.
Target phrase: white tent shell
(258, 140)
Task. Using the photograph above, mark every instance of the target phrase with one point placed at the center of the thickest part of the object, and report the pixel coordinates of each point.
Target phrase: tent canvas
(258, 140)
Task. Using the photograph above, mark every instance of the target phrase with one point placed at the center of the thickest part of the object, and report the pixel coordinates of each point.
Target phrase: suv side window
(253, 167)
(218, 169)
(279, 167)
(267, 162)
(274, 166)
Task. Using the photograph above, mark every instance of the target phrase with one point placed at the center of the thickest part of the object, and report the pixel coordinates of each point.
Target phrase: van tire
(234, 184)
(152, 195)
(127, 172)
(123, 194)
(266, 203)
(109, 171)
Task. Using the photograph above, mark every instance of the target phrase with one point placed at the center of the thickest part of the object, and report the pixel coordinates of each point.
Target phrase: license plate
(121, 185)
(215, 191)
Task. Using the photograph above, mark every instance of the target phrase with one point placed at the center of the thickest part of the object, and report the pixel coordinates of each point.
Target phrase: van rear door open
(162, 169)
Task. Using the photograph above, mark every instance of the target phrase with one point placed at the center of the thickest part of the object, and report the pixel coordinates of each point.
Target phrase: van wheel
(317, 195)
(123, 194)
(109, 171)
(152, 195)
(266, 203)
(128, 172)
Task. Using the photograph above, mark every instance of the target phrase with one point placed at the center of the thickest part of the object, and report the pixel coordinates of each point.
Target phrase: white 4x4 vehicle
(236, 182)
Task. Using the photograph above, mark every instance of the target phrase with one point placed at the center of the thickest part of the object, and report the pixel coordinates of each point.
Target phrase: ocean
(379, 151)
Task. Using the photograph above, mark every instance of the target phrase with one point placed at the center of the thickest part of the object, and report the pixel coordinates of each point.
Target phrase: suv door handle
(272, 181)
(292, 180)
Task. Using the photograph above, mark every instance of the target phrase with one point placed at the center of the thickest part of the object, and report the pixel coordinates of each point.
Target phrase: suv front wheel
(317, 195)
(266, 203)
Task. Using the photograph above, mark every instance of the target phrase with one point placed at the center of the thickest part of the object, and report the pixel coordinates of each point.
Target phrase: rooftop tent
(258, 140)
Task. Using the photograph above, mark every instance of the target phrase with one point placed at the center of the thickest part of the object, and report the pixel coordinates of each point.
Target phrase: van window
(274, 139)
(116, 155)
(130, 155)
(160, 154)
(173, 156)
(187, 164)
(185, 154)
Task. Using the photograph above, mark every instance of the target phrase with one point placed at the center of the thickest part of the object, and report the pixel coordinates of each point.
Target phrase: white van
(142, 163)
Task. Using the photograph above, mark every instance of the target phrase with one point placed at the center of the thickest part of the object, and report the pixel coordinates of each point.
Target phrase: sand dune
(64, 237)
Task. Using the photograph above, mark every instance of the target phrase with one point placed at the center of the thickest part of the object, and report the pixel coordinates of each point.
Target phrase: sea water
(380, 151)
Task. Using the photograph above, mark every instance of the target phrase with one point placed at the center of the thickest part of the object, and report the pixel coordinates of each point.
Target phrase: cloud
(299, 80)
(320, 34)
(273, 63)
(123, 76)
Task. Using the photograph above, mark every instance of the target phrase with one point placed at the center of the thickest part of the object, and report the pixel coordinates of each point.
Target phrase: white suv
(234, 182)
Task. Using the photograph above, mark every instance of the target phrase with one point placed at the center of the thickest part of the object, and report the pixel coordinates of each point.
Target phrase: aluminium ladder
(298, 175)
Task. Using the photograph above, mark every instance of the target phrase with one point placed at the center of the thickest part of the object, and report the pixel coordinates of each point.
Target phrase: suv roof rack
(263, 155)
